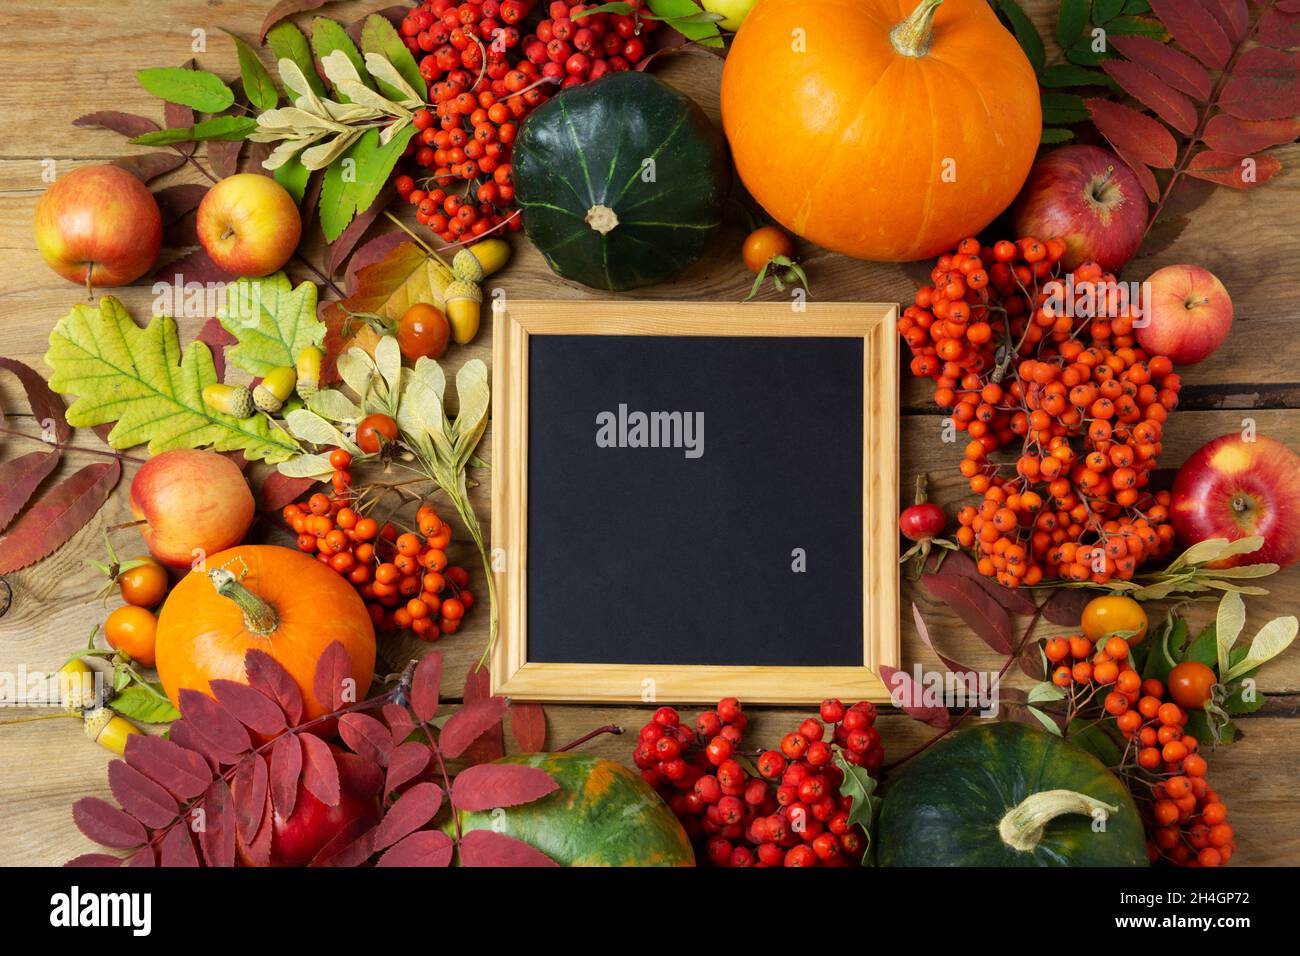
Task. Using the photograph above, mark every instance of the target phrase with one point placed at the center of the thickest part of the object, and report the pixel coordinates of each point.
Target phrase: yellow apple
(249, 225)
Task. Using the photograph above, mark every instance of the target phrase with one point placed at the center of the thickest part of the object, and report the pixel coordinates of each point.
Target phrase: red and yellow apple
(1088, 198)
(297, 838)
(1187, 314)
(98, 226)
(249, 225)
(193, 503)
(1234, 488)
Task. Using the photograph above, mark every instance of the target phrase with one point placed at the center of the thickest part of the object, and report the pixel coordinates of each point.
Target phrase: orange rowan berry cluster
(404, 579)
(1019, 351)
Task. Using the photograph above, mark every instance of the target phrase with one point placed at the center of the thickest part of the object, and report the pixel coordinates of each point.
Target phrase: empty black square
(642, 555)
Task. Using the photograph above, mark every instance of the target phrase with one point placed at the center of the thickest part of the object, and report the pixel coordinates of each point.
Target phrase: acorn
(464, 300)
(274, 390)
(77, 686)
(308, 366)
(109, 730)
(233, 400)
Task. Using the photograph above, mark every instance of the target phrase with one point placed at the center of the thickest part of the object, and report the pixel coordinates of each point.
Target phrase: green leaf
(1081, 52)
(684, 16)
(1060, 75)
(619, 8)
(287, 42)
(272, 320)
(140, 379)
(1135, 7)
(1199, 726)
(1061, 108)
(229, 128)
(293, 176)
(1070, 20)
(1104, 10)
(1236, 704)
(258, 85)
(380, 36)
(1097, 740)
(1025, 32)
(142, 704)
(1055, 134)
(203, 91)
(1045, 692)
(1048, 723)
(341, 198)
(327, 36)
(865, 810)
(1166, 642)
(1202, 649)
(1138, 26)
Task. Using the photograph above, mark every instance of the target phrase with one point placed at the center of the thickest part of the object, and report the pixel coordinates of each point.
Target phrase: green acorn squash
(603, 814)
(1004, 794)
(621, 181)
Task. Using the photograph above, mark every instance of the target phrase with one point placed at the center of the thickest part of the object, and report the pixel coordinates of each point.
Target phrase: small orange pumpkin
(270, 598)
(882, 129)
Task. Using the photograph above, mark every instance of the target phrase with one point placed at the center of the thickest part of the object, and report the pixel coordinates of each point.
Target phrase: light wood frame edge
(512, 675)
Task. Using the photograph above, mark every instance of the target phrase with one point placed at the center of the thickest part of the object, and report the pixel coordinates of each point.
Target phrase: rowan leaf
(259, 88)
(286, 771)
(106, 824)
(1134, 133)
(287, 42)
(1231, 135)
(327, 36)
(46, 407)
(139, 796)
(1233, 16)
(1172, 65)
(489, 848)
(1025, 32)
(205, 92)
(1196, 30)
(471, 722)
(528, 727)
(413, 809)
(909, 697)
(1173, 107)
(217, 128)
(124, 124)
(1071, 18)
(1265, 85)
(57, 515)
(490, 785)
(1230, 169)
(272, 320)
(342, 198)
(423, 848)
(140, 379)
(320, 771)
(19, 478)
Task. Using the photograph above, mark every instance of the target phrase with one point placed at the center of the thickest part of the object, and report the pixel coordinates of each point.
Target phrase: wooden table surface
(59, 61)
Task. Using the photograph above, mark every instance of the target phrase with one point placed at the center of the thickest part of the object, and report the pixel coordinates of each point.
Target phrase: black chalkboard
(660, 555)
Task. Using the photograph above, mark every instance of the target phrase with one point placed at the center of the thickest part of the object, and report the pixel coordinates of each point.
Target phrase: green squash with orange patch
(604, 814)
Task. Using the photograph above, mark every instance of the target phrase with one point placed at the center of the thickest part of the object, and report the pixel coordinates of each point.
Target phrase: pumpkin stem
(602, 218)
(1022, 826)
(259, 617)
(912, 36)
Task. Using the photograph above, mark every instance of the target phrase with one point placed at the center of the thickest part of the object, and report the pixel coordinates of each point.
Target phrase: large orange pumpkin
(260, 596)
(883, 129)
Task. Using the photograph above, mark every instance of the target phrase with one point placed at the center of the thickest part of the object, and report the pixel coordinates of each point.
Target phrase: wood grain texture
(57, 63)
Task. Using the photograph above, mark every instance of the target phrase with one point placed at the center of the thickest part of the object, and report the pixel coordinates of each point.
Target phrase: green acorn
(274, 390)
(233, 400)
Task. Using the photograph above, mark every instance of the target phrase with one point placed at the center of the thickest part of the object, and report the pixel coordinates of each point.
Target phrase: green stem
(912, 36)
(259, 617)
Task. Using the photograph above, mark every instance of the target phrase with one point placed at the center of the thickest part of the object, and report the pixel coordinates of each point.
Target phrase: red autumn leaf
(196, 266)
(320, 774)
(279, 490)
(216, 338)
(985, 616)
(1146, 179)
(370, 253)
(340, 248)
(1196, 30)
(1228, 169)
(405, 763)
(310, 195)
(57, 515)
(94, 860)
(1172, 65)
(268, 676)
(488, 786)
(1278, 28)
(528, 727)
(1230, 135)
(367, 736)
(1133, 132)
(47, 407)
(1064, 607)
(400, 723)
(213, 721)
(183, 772)
(1173, 107)
(143, 857)
(908, 698)
(177, 849)
(413, 809)
(1289, 6)
(286, 8)
(425, 686)
(190, 737)
(286, 769)
(351, 846)
(1265, 85)
(358, 775)
(490, 745)
(139, 796)
(489, 848)
(250, 788)
(124, 124)
(258, 850)
(471, 722)
(106, 824)
(959, 564)
(175, 201)
(223, 156)
(965, 674)
(217, 836)
(1232, 16)
(19, 478)
(333, 678)
(249, 706)
(149, 166)
(426, 848)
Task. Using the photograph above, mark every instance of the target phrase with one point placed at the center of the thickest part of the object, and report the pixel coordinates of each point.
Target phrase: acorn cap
(467, 267)
(460, 289)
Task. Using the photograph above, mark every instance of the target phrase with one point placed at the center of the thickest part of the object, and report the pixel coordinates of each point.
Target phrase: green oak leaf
(139, 378)
(861, 786)
(272, 320)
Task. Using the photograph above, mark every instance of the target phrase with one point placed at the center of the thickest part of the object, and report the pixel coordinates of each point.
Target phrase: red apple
(297, 838)
(191, 501)
(1188, 314)
(98, 226)
(249, 225)
(1233, 488)
(1088, 198)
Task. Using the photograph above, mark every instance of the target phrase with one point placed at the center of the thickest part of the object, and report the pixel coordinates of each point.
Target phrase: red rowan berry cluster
(1020, 351)
(403, 578)
(484, 77)
(791, 812)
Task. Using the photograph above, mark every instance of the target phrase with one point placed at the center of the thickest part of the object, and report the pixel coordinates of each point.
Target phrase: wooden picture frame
(514, 322)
